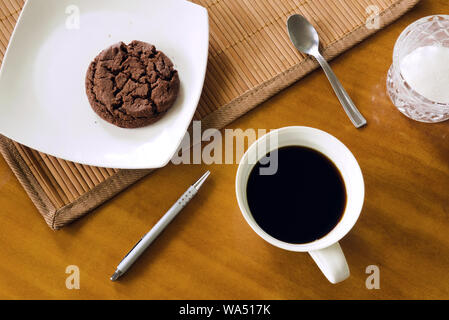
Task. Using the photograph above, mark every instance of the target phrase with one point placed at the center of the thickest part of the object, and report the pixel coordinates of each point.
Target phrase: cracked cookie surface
(131, 85)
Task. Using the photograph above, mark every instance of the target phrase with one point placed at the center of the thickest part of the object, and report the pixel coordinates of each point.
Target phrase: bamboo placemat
(250, 59)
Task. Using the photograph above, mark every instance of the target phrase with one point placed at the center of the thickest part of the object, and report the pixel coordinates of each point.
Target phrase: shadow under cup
(326, 144)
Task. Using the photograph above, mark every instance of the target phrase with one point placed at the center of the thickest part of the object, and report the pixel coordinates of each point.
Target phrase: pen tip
(116, 275)
(200, 182)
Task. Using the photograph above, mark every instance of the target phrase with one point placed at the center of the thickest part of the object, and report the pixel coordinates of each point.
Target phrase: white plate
(43, 103)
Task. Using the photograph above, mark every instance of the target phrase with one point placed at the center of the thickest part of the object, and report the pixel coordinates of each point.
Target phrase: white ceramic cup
(326, 251)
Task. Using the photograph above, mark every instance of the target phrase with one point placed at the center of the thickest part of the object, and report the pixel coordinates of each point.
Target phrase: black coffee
(303, 201)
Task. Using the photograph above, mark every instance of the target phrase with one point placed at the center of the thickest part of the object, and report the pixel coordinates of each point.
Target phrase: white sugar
(426, 70)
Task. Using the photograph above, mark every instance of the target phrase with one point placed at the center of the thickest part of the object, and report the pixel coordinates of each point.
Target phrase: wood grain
(210, 252)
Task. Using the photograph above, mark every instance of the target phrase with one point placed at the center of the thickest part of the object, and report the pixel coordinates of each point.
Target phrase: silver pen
(147, 239)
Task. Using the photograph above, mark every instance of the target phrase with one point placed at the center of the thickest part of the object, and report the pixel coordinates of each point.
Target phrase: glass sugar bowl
(418, 79)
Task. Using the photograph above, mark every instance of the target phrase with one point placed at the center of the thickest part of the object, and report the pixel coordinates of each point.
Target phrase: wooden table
(209, 252)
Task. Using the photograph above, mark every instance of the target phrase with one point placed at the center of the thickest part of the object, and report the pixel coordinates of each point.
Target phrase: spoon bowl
(303, 34)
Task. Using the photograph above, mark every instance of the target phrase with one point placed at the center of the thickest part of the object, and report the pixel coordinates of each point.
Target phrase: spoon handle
(351, 110)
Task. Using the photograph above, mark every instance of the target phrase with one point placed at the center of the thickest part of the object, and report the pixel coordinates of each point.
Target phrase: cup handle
(332, 262)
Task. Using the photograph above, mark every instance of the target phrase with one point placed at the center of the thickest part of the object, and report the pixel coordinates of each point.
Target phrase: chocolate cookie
(131, 85)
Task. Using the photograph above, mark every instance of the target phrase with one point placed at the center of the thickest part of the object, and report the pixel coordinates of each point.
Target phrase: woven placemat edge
(27, 179)
(97, 196)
